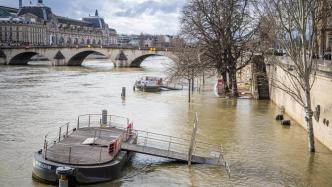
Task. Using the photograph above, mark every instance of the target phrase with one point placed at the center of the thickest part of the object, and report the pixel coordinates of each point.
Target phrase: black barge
(93, 152)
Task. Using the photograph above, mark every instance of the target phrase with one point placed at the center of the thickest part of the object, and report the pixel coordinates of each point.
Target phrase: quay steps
(261, 79)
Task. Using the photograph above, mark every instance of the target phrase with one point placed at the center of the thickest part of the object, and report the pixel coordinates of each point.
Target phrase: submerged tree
(224, 29)
(187, 66)
(296, 27)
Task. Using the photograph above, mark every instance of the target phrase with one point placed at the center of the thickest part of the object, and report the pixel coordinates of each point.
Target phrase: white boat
(149, 84)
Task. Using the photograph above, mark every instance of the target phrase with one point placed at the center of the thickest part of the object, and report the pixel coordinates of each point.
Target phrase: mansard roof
(42, 12)
(9, 9)
(4, 13)
(70, 21)
(96, 21)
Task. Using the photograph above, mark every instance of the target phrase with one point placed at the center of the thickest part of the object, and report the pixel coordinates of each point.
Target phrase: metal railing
(174, 86)
(323, 65)
(94, 120)
(146, 139)
(24, 46)
(70, 153)
(88, 120)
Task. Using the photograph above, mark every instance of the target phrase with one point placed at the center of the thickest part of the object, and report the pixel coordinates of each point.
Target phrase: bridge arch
(138, 60)
(22, 58)
(78, 58)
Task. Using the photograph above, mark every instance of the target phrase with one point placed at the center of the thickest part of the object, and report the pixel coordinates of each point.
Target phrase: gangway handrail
(163, 140)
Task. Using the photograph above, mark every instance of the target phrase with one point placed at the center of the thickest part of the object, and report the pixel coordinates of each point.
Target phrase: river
(37, 99)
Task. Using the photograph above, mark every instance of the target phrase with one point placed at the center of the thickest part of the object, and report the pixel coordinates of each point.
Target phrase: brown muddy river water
(37, 99)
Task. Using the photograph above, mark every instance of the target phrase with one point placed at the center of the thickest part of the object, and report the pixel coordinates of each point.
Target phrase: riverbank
(321, 96)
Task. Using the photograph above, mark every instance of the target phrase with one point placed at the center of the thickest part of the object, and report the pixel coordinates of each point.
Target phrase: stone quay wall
(321, 95)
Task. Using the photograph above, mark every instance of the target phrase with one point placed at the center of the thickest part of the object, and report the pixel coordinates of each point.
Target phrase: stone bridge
(66, 56)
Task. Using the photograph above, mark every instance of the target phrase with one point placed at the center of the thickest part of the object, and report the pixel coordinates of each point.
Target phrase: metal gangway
(172, 86)
(180, 149)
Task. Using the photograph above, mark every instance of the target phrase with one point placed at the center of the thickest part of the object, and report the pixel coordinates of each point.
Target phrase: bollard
(279, 117)
(104, 118)
(123, 93)
(286, 122)
(64, 172)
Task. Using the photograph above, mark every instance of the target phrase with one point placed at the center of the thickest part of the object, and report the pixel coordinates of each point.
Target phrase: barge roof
(71, 151)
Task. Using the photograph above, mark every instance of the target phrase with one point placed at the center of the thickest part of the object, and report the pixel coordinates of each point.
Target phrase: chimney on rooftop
(20, 4)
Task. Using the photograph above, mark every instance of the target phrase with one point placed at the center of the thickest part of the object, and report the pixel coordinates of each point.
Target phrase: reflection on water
(38, 99)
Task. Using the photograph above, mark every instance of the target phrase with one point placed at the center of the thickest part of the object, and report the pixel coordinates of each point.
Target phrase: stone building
(37, 25)
(145, 41)
(325, 37)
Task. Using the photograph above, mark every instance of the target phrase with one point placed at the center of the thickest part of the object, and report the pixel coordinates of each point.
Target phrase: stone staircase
(260, 78)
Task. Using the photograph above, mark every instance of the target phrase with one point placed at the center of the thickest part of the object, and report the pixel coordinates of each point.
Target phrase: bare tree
(296, 27)
(187, 66)
(224, 29)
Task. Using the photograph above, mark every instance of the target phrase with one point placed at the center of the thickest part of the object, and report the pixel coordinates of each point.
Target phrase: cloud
(126, 16)
(150, 7)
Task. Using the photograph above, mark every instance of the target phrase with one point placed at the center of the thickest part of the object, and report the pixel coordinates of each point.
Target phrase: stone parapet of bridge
(74, 56)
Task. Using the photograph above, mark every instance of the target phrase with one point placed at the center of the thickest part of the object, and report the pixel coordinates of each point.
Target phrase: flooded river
(37, 99)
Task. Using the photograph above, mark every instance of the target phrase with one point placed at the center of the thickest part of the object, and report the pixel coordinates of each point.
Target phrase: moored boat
(149, 84)
(92, 149)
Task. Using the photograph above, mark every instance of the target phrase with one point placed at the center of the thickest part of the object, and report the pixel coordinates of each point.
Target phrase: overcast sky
(126, 16)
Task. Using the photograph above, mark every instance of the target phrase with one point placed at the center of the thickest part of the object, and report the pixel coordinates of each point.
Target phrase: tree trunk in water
(224, 77)
(235, 92)
(310, 129)
(203, 78)
(189, 81)
(192, 84)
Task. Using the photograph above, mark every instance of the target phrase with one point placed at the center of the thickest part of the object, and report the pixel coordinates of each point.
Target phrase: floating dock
(98, 146)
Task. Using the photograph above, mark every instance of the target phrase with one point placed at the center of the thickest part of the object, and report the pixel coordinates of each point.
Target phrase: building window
(330, 41)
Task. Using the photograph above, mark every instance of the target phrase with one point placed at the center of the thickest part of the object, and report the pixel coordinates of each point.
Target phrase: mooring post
(45, 146)
(64, 172)
(104, 118)
(67, 130)
(69, 155)
(78, 122)
(59, 134)
(192, 142)
(89, 120)
(123, 93)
